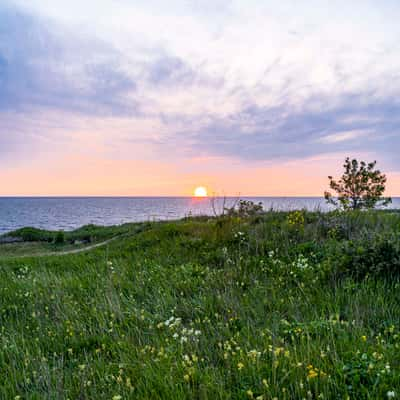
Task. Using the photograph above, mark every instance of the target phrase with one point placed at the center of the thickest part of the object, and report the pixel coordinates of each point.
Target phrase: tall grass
(220, 308)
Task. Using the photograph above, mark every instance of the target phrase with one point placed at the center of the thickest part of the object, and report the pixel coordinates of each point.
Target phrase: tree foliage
(360, 187)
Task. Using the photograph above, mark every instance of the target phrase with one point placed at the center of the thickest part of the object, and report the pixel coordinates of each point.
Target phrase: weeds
(270, 306)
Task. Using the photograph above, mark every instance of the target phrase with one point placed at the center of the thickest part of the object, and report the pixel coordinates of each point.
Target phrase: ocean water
(68, 213)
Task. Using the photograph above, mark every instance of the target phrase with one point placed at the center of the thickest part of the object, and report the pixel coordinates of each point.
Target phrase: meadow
(270, 305)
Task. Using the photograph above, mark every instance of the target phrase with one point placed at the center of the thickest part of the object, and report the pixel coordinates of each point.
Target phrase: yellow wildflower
(312, 374)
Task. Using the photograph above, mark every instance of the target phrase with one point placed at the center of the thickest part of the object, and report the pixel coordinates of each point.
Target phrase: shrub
(60, 238)
(245, 208)
(377, 257)
(30, 234)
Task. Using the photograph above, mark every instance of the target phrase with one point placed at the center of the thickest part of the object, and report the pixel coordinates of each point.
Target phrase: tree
(360, 187)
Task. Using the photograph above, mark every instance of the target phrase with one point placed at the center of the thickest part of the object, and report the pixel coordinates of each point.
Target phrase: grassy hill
(275, 306)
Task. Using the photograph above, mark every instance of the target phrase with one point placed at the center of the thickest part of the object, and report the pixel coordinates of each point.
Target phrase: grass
(41, 242)
(87, 233)
(279, 305)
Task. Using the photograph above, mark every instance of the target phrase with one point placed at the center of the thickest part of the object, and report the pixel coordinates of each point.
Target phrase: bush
(60, 238)
(377, 257)
(245, 208)
(30, 234)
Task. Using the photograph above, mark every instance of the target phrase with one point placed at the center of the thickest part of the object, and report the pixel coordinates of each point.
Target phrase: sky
(154, 97)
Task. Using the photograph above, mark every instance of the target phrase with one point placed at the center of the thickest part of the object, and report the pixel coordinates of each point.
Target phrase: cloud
(248, 90)
(343, 136)
(44, 65)
(283, 132)
(169, 70)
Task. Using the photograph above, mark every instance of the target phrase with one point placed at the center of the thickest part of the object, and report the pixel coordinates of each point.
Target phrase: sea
(68, 213)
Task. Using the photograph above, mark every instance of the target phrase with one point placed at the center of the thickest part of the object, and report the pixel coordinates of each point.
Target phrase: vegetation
(87, 233)
(275, 305)
(245, 208)
(361, 187)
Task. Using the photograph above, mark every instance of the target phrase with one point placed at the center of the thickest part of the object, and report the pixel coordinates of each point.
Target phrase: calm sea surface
(72, 212)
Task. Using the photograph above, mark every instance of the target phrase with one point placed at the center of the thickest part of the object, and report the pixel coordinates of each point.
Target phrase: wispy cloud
(343, 136)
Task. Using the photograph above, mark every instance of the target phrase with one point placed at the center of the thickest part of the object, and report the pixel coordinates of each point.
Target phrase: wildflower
(240, 366)
(117, 397)
(391, 394)
(129, 383)
(186, 377)
(250, 393)
(265, 382)
(254, 354)
(363, 338)
(278, 351)
(312, 374)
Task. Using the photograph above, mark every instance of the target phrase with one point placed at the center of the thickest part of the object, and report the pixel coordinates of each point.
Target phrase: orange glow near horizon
(200, 191)
(97, 176)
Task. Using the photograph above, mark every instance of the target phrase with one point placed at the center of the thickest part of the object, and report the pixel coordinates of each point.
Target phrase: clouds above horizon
(255, 81)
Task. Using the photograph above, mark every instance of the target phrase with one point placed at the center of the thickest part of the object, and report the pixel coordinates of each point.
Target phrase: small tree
(360, 187)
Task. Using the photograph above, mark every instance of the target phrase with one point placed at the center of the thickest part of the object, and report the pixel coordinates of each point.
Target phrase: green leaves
(360, 187)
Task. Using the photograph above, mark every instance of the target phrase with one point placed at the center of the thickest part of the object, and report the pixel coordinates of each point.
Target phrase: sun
(200, 191)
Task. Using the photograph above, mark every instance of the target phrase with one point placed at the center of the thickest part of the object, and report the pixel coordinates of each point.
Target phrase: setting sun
(200, 191)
